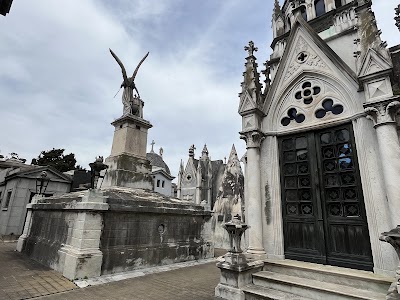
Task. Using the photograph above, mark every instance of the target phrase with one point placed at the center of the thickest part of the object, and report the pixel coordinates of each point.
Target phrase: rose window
(307, 93)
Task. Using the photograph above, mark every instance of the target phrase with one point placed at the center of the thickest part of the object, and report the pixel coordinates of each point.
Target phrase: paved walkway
(21, 278)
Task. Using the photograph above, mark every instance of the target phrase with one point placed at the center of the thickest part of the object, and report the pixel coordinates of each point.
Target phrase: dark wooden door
(322, 200)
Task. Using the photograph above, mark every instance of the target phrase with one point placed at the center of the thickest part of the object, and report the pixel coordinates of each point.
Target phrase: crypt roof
(156, 160)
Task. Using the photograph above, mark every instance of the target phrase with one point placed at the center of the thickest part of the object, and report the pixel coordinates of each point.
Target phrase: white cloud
(57, 78)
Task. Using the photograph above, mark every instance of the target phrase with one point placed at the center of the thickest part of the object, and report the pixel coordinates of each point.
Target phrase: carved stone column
(383, 115)
(254, 201)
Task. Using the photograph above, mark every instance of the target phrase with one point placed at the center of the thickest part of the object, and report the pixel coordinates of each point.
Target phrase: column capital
(383, 113)
(253, 138)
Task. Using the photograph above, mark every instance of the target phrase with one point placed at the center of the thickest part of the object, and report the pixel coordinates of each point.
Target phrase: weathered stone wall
(49, 231)
(89, 233)
(134, 238)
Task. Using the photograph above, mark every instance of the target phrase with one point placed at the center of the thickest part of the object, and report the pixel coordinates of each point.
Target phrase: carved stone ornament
(253, 138)
(306, 57)
(393, 238)
(383, 113)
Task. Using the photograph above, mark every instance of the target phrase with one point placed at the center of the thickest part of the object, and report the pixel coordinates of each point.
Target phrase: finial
(161, 151)
(152, 146)
(225, 160)
(191, 151)
(397, 17)
(250, 48)
(204, 153)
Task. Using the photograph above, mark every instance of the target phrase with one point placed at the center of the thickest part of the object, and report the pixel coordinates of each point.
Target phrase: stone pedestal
(236, 273)
(236, 269)
(127, 164)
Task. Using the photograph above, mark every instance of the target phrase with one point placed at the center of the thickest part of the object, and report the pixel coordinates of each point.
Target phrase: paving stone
(25, 279)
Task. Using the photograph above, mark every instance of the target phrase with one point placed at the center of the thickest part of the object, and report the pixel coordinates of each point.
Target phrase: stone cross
(250, 48)
(152, 146)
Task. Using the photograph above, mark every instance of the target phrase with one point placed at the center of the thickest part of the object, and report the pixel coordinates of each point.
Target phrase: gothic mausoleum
(323, 154)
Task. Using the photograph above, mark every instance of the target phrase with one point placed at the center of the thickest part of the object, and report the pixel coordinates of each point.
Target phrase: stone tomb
(91, 233)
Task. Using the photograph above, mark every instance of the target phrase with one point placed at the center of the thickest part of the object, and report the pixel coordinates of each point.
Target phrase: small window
(158, 183)
(303, 11)
(289, 24)
(319, 7)
(163, 183)
(338, 3)
(8, 199)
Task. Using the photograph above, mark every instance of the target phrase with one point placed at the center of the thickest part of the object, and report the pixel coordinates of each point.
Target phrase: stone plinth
(236, 273)
(130, 136)
(127, 171)
(127, 164)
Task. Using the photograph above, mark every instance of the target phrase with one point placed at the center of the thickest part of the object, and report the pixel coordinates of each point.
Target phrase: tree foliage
(56, 159)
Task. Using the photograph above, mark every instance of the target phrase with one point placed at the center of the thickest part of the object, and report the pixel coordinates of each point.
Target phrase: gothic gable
(373, 63)
(306, 52)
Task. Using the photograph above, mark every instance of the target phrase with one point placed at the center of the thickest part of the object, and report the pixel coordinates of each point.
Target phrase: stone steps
(348, 277)
(295, 280)
(310, 288)
(254, 292)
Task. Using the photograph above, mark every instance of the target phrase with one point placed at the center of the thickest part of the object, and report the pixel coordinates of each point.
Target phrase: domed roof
(157, 161)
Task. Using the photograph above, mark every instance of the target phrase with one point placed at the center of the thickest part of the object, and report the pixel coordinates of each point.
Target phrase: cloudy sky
(58, 80)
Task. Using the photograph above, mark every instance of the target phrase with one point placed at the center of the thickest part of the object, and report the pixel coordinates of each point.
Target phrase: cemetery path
(22, 278)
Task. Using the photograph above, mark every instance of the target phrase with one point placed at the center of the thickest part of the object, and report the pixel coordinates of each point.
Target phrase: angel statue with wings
(132, 102)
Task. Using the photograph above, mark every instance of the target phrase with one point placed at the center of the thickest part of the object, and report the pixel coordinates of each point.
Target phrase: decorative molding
(383, 112)
(304, 56)
(253, 139)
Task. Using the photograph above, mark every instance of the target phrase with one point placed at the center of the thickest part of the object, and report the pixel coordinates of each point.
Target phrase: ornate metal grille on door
(323, 207)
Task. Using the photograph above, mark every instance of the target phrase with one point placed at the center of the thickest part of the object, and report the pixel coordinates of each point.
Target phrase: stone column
(253, 184)
(383, 115)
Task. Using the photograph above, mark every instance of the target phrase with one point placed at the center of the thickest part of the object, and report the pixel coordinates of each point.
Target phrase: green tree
(56, 159)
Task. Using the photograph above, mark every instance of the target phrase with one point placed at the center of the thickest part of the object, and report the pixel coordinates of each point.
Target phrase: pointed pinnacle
(251, 48)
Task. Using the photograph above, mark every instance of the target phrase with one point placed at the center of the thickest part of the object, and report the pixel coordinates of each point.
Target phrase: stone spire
(397, 17)
(181, 167)
(251, 82)
(191, 151)
(277, 9)
(204, 153)
(233, 164)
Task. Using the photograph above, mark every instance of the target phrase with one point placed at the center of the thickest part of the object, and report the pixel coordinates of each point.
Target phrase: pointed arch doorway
(324, 217)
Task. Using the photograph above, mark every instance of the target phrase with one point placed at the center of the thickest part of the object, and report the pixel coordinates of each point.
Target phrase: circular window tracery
(302, 57)
(307, 93)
